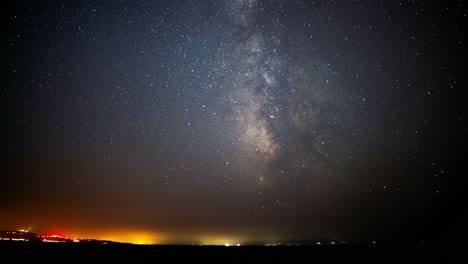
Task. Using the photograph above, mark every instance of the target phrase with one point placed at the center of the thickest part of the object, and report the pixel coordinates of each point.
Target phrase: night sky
(234, 121)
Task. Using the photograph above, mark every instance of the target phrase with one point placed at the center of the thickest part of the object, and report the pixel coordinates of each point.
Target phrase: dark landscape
(127, 252)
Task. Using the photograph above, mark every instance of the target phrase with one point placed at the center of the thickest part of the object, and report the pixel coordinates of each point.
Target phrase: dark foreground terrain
(219, 254)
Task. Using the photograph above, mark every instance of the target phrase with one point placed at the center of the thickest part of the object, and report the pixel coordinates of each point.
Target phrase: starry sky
(233, 120)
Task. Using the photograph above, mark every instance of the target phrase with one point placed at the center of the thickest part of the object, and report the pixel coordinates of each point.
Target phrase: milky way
(253, 119)
(252, 101)
(268, 94)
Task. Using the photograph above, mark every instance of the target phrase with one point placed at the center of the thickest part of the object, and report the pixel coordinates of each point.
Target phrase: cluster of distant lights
(57, 238)
(229, 245)
(45, 238)
(316, 243)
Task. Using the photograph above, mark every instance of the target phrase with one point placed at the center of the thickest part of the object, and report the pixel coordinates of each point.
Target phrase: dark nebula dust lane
(225, 121)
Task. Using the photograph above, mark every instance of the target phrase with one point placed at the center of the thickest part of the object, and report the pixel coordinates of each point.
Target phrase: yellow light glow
(140, 238)
(125, 236)
(221, 241)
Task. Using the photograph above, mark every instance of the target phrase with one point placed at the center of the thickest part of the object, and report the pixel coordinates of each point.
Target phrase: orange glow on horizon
(140, 237)
(134, 237)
